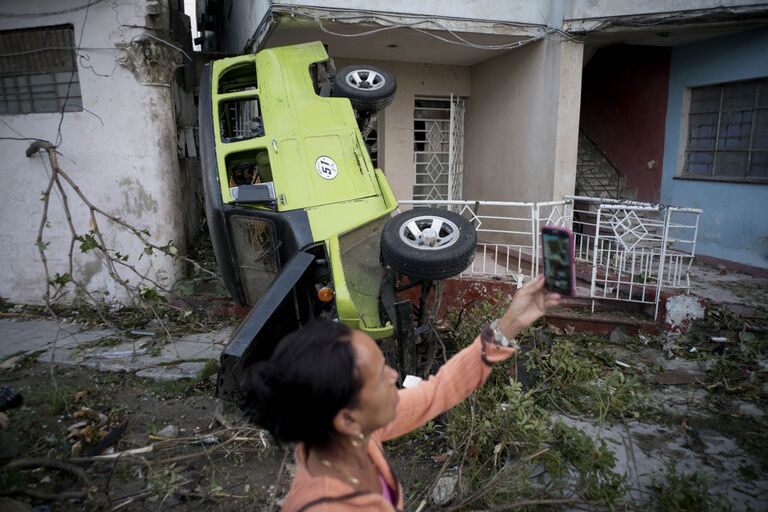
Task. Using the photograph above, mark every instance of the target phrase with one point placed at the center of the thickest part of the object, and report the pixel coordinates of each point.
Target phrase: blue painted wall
(734, 225)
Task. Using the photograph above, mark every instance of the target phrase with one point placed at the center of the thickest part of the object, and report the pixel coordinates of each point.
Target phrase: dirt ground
(685, 432)
(208, 467)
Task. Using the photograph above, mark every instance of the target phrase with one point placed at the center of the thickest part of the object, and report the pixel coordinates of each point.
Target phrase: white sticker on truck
(326, 167)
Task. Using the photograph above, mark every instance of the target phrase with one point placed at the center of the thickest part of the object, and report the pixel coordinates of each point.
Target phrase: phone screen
(558, 265)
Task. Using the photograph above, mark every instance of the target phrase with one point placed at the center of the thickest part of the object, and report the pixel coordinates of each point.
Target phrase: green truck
(301, 222)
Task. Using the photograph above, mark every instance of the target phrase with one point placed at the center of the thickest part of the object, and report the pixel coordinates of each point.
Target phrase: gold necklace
(354, 481)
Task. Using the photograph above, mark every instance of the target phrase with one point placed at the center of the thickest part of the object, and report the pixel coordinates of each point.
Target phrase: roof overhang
(356, 35)
(371, 35)
(672, 28)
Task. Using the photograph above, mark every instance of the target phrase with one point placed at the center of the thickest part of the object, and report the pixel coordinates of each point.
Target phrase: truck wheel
(368, 88)
(428, 243)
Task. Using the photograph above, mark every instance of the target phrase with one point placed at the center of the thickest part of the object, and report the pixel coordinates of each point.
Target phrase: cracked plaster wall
(121, 152)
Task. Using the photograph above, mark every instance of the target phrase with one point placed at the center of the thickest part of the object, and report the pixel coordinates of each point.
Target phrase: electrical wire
(53, 13)
(14, 130)
(19, 138)
(82, 59)
(79, 48)
(422, 26)
(59, 138)
(370, 15)
(54, 48)
(164, 42)
(85, 58)
(459, 40)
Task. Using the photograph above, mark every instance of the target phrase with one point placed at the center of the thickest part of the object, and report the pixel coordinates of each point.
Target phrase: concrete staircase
(596, 176)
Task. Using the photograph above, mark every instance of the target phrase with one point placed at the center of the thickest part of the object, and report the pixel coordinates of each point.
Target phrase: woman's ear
(346, 422)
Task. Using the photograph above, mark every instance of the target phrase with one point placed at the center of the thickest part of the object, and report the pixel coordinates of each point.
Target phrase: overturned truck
(301, 222)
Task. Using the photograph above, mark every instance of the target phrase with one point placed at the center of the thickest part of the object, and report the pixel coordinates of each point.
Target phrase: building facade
(98, 81)
(498, 100)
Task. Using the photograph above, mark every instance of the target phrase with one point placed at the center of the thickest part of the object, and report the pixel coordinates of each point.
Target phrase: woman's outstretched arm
(468, 369)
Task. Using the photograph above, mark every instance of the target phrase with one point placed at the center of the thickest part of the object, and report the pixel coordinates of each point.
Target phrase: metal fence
(635, 249)
(631, 250)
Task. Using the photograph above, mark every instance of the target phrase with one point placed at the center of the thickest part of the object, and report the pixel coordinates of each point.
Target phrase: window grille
(728, 132)
(438, 142)
(431, 140)
(38, 71)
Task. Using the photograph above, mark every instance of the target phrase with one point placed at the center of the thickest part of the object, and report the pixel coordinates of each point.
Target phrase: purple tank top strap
(386, 491)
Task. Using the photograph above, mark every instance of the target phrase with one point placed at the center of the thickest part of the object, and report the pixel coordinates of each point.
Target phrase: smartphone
(559, 268)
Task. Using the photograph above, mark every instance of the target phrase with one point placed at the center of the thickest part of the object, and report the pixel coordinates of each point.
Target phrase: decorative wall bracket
(151, 62)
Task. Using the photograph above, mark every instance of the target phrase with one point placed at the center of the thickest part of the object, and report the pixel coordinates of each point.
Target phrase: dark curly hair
(310, 377)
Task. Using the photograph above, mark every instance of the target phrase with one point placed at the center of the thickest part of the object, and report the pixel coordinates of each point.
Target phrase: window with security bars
(38, 71)
(728, 132)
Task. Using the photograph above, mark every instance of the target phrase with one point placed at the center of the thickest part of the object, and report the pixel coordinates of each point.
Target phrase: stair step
(595, 175)
(629, 194)
(602, 322)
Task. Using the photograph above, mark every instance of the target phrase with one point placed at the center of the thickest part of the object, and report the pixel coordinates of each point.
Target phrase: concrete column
(570, 55)
(522, 123)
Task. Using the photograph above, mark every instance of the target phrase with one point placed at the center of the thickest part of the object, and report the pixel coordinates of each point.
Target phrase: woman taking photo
(328, 388)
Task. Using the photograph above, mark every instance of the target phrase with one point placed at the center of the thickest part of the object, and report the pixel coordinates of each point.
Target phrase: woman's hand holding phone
(559, 268)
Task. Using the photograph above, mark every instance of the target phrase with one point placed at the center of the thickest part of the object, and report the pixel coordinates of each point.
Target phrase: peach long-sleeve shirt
(461, 375)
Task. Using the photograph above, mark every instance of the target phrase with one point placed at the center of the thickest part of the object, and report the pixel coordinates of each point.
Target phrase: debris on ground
(122, 417)
(444, 491)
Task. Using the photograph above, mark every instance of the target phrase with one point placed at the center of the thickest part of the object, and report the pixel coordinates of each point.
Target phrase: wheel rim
(429, 232)
(365, 79)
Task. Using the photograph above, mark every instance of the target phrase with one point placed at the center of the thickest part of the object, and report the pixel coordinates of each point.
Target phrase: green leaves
(582, 381)
(151, 295)
(88, 241)
(685, 492)
(60, 279)
(169, 249)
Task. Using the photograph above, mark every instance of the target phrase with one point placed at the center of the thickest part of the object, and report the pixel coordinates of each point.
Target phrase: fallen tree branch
(94, 241)
(529, 503)
(493, 481)
(108, 440)
(279, 478)
(236, 435)
(34, 463)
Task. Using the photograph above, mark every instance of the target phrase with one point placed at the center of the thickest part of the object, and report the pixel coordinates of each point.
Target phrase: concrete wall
(396, 121)
(519, 11)
(243, 21)
(522, 124)
(623, 110)
(585, 9)
(734, 225)
(121, 151)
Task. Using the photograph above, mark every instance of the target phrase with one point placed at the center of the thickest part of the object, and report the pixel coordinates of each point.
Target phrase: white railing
(634, 249)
